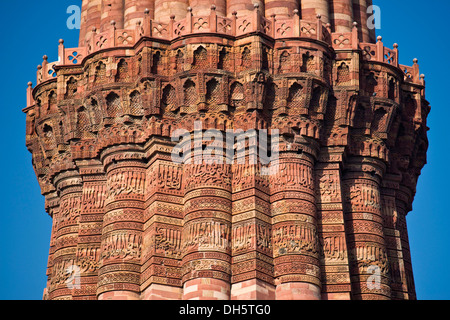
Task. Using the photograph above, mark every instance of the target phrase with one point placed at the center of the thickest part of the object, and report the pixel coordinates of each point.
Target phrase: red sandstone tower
(129, 223)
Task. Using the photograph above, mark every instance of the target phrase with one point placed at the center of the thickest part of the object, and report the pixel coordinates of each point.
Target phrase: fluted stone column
(281, 8)
(369, 265)
(203, 7)
(244, 7)
(52, 207)
(361, 16)
(393, 233)
(163, 226)
(312, 8)
(341, 15)
(165, 9)
(112, 10)
(206, 239)
(93, 18)
(334, 254)
(64, 273)
(403, 202)
(296, 247)
(119, 274)
(134, 11)
(90, 228)
(252, 268)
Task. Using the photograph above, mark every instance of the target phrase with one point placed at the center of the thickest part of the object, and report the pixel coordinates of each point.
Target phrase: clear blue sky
(33, 28)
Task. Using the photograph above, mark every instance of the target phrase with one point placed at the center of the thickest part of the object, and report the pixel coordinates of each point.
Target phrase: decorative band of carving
(121, 215)
(69, 209)
(60, 276)
(207, 174)
(365, 226)
(172, 215)
(290, 276)
(173, 274)
(293, 206)
(122, 246)
(164, 177)
(94, 196)
(291, 176)
(69, 240)
(119, 282)
(207, 203)
(88, 258)
(236, 278)
(125, 182)
(208, 193)
(118, 226)
(371, 254)
(362, 197)
(126, 202)
(207, 214)
(253, 265)
(64, 251)
(206, 268)
(206, 235)
(295, 239)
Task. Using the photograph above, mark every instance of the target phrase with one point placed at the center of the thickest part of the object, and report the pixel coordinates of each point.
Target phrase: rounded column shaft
(366, 32)
(394, 228)
(252, 268)
(165, 9)
(281, 8)
(112, 10)
(404, 198)
(134, 11)
(311, 8)
(341, 14)
(89, 235)
(203, 7)
(369, 265)
(243, 7)
(64, 278)
(206, 238)
(294, 232)
(83, 20)
(121, 247)
(163, 226)
(93, 18)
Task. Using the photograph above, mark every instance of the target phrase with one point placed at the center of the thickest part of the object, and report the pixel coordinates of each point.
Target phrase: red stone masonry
(132, 224)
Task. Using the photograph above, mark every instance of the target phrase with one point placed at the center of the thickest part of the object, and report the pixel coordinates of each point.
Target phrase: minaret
(281, 8)
(153, 81)
(312, 8)
(342, 17)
